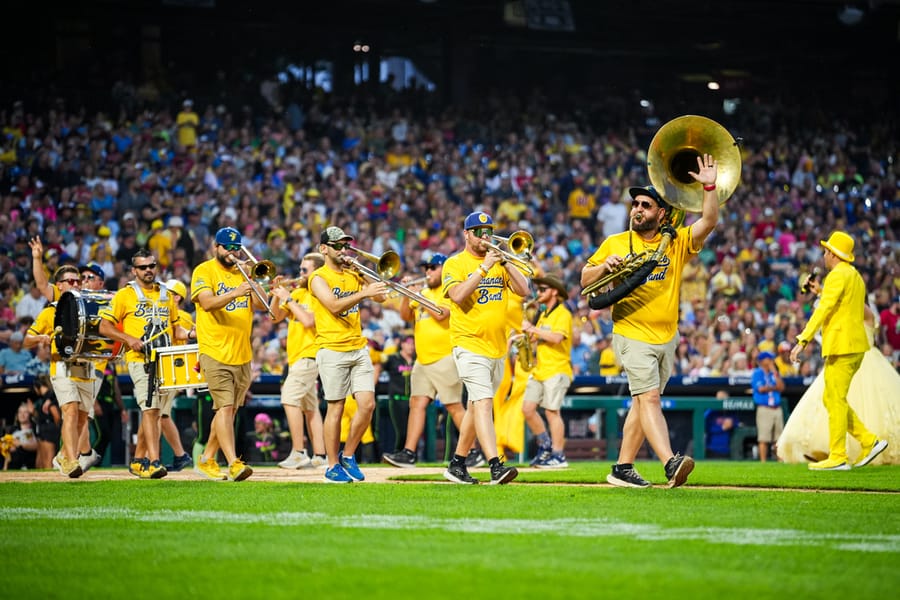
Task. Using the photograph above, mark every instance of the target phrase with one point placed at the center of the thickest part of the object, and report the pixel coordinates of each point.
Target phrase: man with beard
(225, 302)
(148, 314)
(299, 395)
(645, 322)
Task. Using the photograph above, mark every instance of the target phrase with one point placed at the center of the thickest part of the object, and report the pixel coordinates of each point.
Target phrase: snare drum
(77, 322)
(178, 367)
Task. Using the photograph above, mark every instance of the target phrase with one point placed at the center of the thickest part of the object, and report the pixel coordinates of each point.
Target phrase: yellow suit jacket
(840, 313)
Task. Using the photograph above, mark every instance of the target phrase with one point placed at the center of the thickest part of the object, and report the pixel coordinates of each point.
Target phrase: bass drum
(77, 325)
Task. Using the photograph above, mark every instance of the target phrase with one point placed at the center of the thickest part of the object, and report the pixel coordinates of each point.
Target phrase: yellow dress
(874, 395)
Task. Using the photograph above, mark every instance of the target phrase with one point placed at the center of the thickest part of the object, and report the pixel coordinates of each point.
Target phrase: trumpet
(263, 272)
(409, 284)
(288, 283)
(520, 245)
(386, 266)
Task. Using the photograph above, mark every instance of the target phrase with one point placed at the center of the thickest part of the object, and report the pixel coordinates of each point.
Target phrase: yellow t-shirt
(43, 325)
(649, 313)
(554, 359)
(301, 342)
(223, 334)
(581, 204)
(609, 366)
(185, 321)
(160, 244)
(137, 318)
(432, 337)
(187, 135)
(342, 332)
(479, 325)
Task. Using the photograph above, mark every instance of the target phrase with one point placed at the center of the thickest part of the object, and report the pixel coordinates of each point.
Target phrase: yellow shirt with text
(432, 337)
(341, 332)
(301, 342)
(554, 359)
(137, 318)
(223, 334)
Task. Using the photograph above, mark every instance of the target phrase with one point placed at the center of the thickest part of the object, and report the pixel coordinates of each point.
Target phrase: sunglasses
(145, 267)
(542, 288)
(431, 267)
(231, 247)
(642, 203)
(339, 245)
(89, 277)
(482, 231)
(71, 281)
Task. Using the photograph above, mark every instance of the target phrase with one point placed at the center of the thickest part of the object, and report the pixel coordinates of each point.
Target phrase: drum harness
(157, 332)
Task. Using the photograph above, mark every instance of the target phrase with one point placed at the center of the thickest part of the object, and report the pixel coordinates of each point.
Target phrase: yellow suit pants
(842, 419)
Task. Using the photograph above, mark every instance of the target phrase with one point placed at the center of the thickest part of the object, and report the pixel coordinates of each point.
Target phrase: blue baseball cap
(93, 268)
(648, 191)
(228, 235)
(764, 355)
(436, 259)
(478, 219)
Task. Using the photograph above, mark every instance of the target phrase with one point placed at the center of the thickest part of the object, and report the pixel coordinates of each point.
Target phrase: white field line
(597, 528)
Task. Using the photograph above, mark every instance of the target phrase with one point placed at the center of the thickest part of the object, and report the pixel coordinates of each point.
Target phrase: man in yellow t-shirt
(147, 314)
(73, 384)
(299, 394)
(186, 123)
(645, 323)
(345, 366)
(434, 373)
(478, 280)
(225, 300)
(552, 375)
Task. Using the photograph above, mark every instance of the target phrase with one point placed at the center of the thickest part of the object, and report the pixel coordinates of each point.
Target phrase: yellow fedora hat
(841, 245)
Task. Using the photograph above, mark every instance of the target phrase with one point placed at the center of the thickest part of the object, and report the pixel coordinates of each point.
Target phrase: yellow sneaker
(69, 467)
(238, 471)
(153, 470)
(210, 469)
(830, 464)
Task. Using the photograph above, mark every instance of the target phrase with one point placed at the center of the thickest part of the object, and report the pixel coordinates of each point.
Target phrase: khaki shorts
(439, 379)
(228, 384)
(141, 381)
(769, 423)
(70, 390)
(648, 366)
(548, 394)
(480, 374)
(345, 373)
(299, 388)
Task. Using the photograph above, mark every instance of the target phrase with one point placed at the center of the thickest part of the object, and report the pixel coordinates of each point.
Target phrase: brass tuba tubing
(388, 265)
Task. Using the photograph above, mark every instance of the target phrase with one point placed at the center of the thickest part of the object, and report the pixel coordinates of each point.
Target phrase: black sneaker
(626, 476)
(542, 456)
(501, 474)
(403, 459)
(475, 458)
(459, 474)
(677, 469)
(180, 463)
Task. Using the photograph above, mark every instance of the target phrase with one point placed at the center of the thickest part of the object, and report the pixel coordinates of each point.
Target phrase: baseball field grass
(737, 530)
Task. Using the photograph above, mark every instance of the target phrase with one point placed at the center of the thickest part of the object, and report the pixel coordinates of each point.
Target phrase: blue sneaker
(181, 462)
(350, 466)
(337, 474)
(541, 457)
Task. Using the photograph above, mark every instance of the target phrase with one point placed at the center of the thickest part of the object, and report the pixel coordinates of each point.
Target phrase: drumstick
(153, 337)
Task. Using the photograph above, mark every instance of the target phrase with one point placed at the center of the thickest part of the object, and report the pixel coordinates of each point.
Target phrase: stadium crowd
(397, 171)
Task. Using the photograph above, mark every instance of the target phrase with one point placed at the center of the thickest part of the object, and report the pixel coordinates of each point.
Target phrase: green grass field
(197, 539)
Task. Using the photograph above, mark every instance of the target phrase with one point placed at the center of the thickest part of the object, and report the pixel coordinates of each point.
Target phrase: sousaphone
(672, 155)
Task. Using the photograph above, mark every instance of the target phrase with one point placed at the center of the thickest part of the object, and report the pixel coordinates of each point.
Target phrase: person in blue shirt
(767, 387)
(14, 359)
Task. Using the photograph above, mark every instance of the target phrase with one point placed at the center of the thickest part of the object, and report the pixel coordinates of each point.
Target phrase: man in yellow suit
(840, 315)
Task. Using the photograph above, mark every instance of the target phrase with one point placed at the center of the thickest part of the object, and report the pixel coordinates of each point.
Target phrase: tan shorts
(228, 384)
(648, 366)
(345, 373)
(70, 390)
(480, 374)
(141, 380)
(548, 394)
(299, 387)
(769, 423)
(439, 379)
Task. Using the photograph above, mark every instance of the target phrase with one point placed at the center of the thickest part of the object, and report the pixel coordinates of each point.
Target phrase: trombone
(520, 245)
(263, 272)
(386, 267)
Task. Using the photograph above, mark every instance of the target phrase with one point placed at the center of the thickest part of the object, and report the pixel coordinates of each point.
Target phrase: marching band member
(645, 323)
(478, 280)
(434, 373)
(182, 459)
(345, 366)
(73, 384)
(225, 299)
(552, 375)
(147, 313)
(299, 394)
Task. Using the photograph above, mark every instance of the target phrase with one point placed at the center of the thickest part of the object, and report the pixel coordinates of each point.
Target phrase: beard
(225, 260)
(646, 225)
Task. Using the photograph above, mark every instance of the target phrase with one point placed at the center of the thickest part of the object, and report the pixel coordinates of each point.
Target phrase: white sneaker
(295, 460)
(56, 464)
(872, 454)
(91, 460)
(318, 462)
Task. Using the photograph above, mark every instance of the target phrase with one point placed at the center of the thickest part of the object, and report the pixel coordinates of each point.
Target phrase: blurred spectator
(14, 359)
